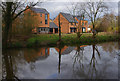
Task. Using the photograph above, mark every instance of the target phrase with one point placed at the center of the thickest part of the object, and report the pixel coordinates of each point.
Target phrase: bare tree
(94, 10)
(76, 10)
(10, 11)
(81, 16)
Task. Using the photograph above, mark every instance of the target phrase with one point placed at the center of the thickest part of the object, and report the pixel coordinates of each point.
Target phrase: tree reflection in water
(14, 58)
(59, 60)
(8, 67)
(109, 46)
(79, 57)
(93, 62)
(88, 71)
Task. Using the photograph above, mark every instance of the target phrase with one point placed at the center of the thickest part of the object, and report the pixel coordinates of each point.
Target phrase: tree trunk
(78, 35)
(94, 33)
(59, 29)
(79, 27)
(8, 24)
(8, 66)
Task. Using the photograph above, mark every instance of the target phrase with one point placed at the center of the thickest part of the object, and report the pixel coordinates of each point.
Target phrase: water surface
(98, 61)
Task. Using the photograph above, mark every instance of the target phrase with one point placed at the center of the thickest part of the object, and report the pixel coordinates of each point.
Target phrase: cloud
(54, 8)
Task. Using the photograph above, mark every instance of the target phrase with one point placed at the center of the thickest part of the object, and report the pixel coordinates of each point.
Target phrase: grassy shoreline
(67, 39)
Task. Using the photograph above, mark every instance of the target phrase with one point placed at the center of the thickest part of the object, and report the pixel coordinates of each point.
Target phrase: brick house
(42, 18)
(69, 23)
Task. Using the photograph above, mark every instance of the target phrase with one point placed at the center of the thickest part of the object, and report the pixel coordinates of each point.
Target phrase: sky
(54, 7)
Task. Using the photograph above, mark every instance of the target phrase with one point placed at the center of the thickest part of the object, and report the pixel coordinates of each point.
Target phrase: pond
(98, 61)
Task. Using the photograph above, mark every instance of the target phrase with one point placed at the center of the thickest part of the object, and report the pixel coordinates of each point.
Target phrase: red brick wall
(64, 23)
(38, 18)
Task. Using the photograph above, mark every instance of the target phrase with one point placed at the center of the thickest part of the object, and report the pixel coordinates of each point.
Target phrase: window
(40, 15)
(40, 21)
(46, 17)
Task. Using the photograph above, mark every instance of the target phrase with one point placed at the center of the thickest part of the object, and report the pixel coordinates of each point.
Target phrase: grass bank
(67, 39)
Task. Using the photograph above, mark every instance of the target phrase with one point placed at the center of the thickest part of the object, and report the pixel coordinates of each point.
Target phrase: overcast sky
(54, 7)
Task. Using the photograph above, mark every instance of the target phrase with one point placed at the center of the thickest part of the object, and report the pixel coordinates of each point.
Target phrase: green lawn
(67, 39)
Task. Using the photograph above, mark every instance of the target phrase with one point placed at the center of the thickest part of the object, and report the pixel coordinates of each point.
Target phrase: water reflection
(68, 62)
(78, 56)
(93, 68)
(8, 67)
(14, 56)
(93, 62)
(59, 60)
(31, 55)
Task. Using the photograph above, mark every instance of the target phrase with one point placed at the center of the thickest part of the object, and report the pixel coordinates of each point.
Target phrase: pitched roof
(68, 50)
(39, 10)
(79, 18)
(69, 17)
(53, 25)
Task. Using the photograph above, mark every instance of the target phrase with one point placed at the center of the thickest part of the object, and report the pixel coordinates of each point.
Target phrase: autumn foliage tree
(29, 23)
(9, 14)
(108, 23)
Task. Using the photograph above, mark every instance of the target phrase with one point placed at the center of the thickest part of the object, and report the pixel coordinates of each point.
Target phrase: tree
(119, 18)
(76, 10)
(108, 23)
(29, 22)
(94, 10)
(81, 14)
(59, 28)
(8, 13)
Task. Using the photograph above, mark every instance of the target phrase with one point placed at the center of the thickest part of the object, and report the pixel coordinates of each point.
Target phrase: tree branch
(24, 10)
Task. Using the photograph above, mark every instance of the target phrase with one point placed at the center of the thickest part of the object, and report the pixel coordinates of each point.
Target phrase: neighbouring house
(41, 16)
(67, 22)
(70, 23)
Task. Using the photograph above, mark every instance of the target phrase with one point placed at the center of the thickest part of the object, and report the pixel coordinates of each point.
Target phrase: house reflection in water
(36, 54)
(69, 49)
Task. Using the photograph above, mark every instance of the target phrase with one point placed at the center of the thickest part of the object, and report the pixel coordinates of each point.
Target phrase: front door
(56, 30)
